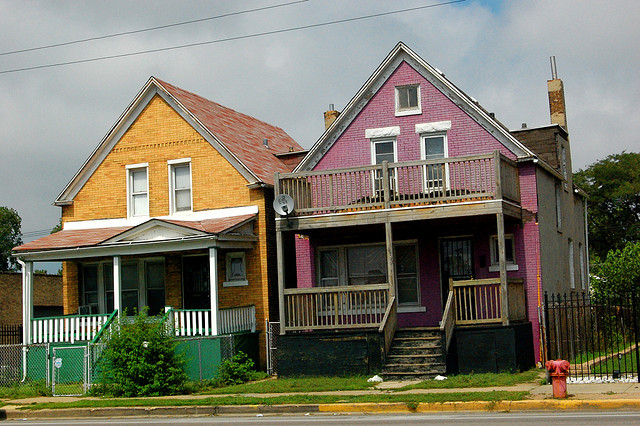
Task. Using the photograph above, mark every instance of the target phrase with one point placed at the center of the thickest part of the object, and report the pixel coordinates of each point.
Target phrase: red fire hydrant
(558, 370)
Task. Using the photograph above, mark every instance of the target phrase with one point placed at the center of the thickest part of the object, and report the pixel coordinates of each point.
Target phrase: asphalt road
(582, 418)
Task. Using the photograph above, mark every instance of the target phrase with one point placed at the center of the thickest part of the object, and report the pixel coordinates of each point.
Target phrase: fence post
(634, 312)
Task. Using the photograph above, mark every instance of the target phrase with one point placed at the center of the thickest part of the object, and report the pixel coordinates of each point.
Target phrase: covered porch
(184, 272)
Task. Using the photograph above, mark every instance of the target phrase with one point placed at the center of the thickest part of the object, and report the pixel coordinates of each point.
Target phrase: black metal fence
(598, 336)
(10, 334)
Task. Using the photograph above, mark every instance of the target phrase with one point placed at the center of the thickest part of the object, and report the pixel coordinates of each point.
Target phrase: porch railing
(389, 185)
(197, 322)
(479, 301)
(67, 329)
(324, 308)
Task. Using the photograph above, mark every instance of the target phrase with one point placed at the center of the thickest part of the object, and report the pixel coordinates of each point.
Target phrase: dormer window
(138, 190)
(180, 185)
(408, 100)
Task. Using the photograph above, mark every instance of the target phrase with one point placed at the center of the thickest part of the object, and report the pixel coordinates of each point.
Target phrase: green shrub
(236, 370)
(140, 359)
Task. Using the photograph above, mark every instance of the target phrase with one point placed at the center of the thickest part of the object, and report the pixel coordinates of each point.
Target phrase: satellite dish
(283, 204)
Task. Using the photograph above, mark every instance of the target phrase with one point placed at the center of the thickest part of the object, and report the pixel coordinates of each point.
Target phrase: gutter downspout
(27, 281)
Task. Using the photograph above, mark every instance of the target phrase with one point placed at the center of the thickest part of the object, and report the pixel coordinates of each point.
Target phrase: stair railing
(448, 320)
(389, 324)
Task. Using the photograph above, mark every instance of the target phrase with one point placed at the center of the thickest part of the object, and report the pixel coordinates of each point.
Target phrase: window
(408, 100)
(583, 269)
(236, 270)
(90, 289)
(382, 150)
(154, 279)
(558, 207)
(367, 264)
(96, 288)
(509, 251)
(433, 147)
(572, 271)
(143, 284)
(180, 185)
(138, 190)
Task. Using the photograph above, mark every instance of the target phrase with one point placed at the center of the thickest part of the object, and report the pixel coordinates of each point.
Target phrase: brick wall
(47, 291)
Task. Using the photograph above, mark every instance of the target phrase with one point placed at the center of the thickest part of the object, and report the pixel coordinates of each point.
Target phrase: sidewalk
(581, 396)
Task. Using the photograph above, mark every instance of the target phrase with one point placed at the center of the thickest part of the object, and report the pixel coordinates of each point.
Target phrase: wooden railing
(67, 329)
(329, 308)
(448, 322)
(197, 322)
(388, 185)
(389, 325)
(479, 301)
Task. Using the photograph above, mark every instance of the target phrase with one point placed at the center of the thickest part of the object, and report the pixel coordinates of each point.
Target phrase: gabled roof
(238, 137)
(401, 53)
(84, 238)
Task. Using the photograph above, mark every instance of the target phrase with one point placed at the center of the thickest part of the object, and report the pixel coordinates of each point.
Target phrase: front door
(456, 261)
(195, 278)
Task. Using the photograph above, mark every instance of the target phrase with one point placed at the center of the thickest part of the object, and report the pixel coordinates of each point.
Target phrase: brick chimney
(330, 116)
(557, 107)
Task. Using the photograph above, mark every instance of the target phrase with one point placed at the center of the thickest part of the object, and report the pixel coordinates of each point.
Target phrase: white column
(27, 300)
(117, 285)
(213, 285)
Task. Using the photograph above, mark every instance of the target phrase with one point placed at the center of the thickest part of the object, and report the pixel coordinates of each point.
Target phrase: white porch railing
(68, 329)
(197, 322)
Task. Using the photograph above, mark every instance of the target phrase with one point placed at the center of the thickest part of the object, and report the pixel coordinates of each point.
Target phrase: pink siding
(305, 262)
(466, 136)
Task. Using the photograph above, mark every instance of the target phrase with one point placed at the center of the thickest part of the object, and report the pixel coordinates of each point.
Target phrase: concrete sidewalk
(581, 396)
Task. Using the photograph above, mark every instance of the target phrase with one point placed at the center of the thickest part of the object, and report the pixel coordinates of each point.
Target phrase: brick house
(425, 232)
(173, 208)
(47, 296)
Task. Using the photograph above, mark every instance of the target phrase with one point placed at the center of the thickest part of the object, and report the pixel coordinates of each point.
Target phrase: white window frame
(131, 168)
(172, 165)
(512, 265)
(445, 150)
(235, 282)
(392, 176)
(409, 110)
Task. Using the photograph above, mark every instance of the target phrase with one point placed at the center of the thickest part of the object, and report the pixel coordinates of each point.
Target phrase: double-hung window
(434, 147)
(408, 100)
(180, 185)
(138, 190)
(509, 251)
(382, 150)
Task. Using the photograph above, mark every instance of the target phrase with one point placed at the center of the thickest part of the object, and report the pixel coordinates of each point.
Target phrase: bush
(236, 370)
(140, 359)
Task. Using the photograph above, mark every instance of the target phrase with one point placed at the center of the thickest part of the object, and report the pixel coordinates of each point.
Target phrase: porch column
(391, 261)
(504, 290)
(213, 287)
(280, 266)
(27, 300)
(117, 285)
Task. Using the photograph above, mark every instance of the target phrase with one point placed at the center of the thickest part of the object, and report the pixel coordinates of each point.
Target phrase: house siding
(466, 136)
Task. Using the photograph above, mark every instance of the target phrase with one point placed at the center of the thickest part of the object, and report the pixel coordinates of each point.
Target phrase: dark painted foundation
(491, 349)
(330, 354)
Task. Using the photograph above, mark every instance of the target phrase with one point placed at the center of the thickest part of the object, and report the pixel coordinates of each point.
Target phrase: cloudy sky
(52, 117)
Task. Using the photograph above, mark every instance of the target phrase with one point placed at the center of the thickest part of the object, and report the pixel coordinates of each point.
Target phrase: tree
(10, 232)
(57, 228)
(619, 273)
(613, 186)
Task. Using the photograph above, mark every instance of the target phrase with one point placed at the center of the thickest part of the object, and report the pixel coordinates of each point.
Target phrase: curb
(365, 407)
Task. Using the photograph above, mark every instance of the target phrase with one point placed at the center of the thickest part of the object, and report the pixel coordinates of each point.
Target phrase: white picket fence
(69, 329)
(197, 322)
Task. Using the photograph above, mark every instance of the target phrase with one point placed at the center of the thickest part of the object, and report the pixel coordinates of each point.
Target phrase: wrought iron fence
(10, 334)
(598, 336)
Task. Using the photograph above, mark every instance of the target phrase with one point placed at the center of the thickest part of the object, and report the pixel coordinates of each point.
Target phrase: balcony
(470, 180)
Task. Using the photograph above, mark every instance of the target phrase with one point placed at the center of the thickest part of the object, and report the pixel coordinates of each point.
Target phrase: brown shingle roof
(239, 133)
(69, 239)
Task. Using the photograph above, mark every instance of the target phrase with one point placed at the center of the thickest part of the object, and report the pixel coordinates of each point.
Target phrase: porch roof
(88, 242)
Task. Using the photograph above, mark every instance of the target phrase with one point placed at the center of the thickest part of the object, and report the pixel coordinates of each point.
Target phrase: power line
(222, 40)
(84, 40)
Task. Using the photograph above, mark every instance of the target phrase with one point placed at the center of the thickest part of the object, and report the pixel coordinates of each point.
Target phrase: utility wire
(160, 27)
(242, 37)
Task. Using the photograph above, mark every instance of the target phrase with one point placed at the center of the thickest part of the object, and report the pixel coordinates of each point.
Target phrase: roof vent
(265, 142)
(492, 114)
(524, 125)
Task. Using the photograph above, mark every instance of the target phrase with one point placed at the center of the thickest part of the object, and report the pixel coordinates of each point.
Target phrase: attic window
(180, 185)
(408, 100)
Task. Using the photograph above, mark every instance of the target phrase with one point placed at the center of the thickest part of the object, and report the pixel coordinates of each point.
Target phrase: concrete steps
(415, 354)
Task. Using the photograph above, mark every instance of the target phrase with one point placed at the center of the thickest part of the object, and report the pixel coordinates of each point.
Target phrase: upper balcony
(444, 187)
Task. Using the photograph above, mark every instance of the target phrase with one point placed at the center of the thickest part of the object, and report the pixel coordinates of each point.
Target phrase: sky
(53, 117)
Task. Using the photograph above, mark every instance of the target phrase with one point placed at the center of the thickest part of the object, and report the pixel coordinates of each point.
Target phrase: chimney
(330, 116)
(557, 107)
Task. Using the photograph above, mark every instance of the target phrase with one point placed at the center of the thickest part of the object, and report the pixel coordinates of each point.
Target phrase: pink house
(424, 232)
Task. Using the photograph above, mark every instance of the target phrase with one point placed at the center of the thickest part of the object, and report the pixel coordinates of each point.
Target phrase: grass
(294, 384)
(19, 390)
(479, 380)
(290, 399)
(627, 364)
